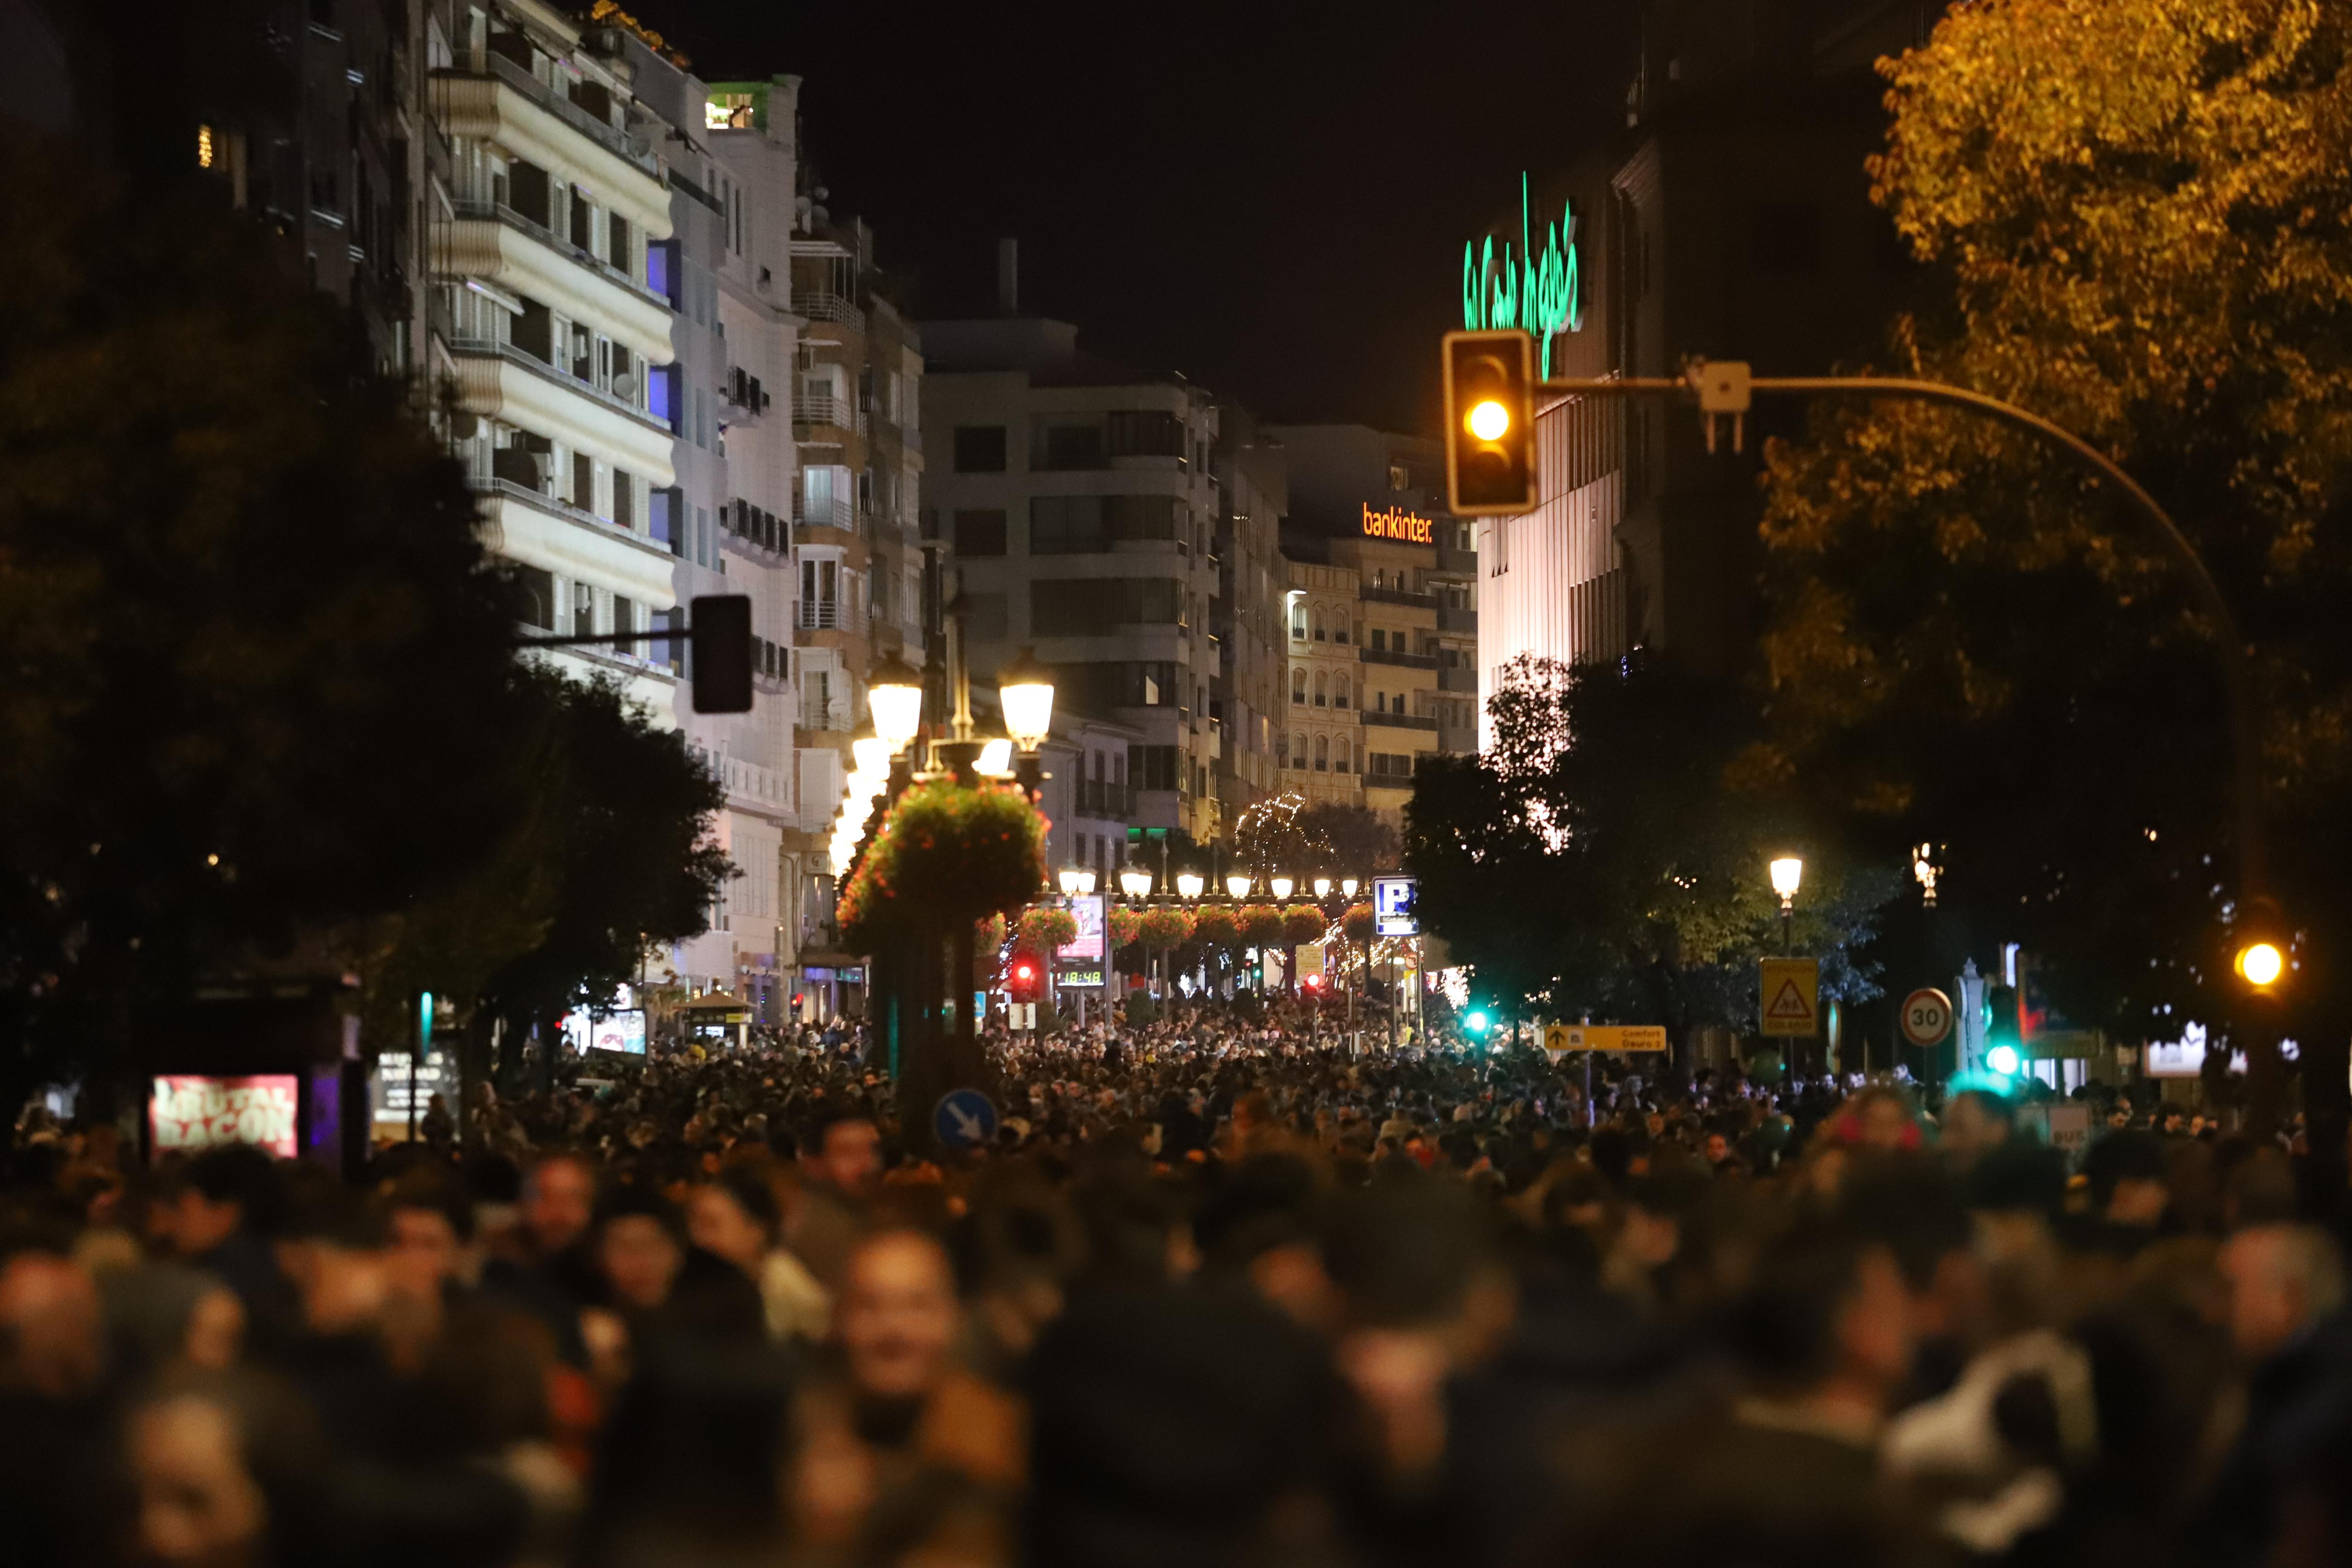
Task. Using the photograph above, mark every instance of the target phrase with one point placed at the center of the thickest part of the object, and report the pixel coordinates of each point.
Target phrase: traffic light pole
(1725, 388)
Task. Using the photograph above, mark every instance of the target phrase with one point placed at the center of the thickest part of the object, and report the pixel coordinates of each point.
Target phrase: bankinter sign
(1408, 526)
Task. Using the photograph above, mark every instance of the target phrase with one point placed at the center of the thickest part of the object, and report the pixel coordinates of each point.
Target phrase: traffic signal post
(719, 634)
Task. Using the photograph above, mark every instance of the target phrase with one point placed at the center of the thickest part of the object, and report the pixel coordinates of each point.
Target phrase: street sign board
(1791, 997)
(1394, 914)
(1927, 1017)
(1566, 1037)
(965, 1119)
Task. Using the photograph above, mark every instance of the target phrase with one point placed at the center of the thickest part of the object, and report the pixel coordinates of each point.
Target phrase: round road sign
(1927, 1017)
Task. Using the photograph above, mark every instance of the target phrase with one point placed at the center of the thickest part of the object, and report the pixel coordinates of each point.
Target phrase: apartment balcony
(746, 783)
(1373, 719)
(830, 308)
(541, 530)
(497, 245)
(1400, 660)
(501, 382)
(1451, 618)
(833, 616)
(832, 717)
(824, 420)
(1398, 596)
(506, 104)
(1453, 562)
(1458, 740)
(1458, 678)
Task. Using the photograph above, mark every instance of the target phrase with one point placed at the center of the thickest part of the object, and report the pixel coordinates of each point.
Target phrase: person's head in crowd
(733, 1216)
(427, 1223)
(224, 1472)
(2283, 1279)
(224, 1191)
(848, 1154)
(1824, 1320)
(2126, 1175)
(165, 1315)
(639, 1247)
(558, 1202)
(1975, 1122)
(52, 1331)
(899, 1314)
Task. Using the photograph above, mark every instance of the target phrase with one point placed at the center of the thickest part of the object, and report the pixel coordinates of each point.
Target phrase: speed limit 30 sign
(1927, 1017)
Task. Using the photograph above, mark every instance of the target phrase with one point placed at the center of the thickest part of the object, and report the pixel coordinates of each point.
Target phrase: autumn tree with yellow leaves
(2140, 212)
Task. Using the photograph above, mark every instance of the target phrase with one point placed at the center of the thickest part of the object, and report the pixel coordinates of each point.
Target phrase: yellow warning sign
(1790, 992)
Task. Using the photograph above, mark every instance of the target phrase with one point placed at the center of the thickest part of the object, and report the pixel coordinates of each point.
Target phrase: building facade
(1731, 218)
(1246, 701)
(1321, 756)
(1077, 503)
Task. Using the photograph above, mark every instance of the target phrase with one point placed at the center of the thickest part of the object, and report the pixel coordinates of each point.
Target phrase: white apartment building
(556, 344)
(724, 517)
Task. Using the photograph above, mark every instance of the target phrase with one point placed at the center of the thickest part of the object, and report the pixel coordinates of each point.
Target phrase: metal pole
(2237, 676)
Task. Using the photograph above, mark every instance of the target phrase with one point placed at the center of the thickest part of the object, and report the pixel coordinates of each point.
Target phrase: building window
(1320, 634)
(1322, 690)
(1322, 754)
(980, 449)
(1379, 640)
(1298, 687)
(980, 533)
(1298, 622)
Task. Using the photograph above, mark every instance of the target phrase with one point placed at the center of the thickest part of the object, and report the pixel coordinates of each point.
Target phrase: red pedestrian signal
(1490, 424)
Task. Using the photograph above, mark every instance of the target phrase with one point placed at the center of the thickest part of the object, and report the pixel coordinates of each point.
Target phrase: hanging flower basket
(1216, 927)
(1303, 923)
(1356, 923)
(1046, 931)
(1125, 925)
(1261, 925)
(944, 853)
(1164, 928)
(988, 936)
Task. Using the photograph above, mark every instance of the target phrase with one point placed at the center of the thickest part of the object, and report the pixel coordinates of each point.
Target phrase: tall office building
(1078, 502)
(1247, 685)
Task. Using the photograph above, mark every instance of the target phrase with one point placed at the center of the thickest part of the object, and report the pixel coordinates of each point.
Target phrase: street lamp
(1282, 885)
(1238, 885)
(1068, 877)
(1924, 869)
(1136, 882)
(868, 753)
(1348, 886)
(1189, 885)
(1787, 874)
(894, 693)
(995, 759)
(1024, 690)
(1322, 887)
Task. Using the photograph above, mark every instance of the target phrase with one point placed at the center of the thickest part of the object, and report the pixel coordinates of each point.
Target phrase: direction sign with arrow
(965, 1119)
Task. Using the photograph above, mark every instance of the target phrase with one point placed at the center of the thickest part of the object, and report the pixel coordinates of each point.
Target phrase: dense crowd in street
(1211, 1295)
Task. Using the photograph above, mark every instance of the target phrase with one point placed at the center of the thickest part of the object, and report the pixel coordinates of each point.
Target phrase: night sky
(1271, 198)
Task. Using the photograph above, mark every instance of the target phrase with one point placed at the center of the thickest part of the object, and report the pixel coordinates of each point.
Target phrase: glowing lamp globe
(1135, 883)
(1237, 885)
(894, 693)
(1282, 885)
(995, 759)
(1024, 690)
(1189, 883)
(1787, 874)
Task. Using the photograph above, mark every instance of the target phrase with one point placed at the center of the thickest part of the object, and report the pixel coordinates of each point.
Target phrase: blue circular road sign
(965, 1119)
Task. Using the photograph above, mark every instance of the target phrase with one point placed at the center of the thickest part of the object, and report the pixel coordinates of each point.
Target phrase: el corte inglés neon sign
(1397, 524)
(1535, 292)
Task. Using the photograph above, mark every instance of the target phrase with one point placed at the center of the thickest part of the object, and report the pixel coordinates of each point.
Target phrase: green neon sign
(1536, 292)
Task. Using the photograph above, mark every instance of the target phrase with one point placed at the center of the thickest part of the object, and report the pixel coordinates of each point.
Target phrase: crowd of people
(1211, 1295)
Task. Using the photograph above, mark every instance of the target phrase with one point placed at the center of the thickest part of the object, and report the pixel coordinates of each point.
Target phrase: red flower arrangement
(1166, 927)
(1261, 925)
(1215, 927)
(1357, 924)
(1303, 923)
(1046, 930)
(944, 853)
(1126, 925)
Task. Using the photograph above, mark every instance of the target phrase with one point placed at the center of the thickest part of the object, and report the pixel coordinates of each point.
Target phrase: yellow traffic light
(2260, 964)
(1490, 459)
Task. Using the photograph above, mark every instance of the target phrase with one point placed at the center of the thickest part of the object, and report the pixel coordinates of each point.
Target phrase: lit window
(203, 146)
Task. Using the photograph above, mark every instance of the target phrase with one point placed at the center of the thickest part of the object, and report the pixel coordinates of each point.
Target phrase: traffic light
(2004, 1039)
(1476, 1020)
(1021, 981)
(2259, 942)
(1490, 424)
(721, 633)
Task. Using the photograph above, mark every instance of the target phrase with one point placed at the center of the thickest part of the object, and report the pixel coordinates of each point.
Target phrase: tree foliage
(2143, 212)
(1596, 861)
(257, 653)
